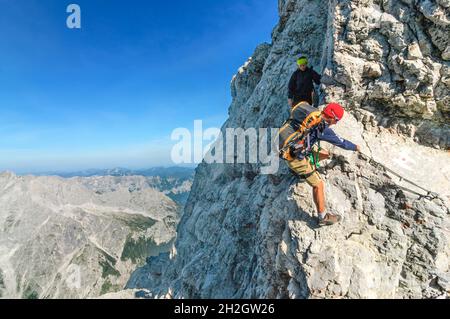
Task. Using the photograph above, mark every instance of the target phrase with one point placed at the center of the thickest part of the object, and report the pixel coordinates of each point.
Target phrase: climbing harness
(315, 160)
(431, 195)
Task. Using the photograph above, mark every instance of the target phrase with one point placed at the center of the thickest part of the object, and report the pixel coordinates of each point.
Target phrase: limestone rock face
(78, 237)
(244, 234)
(409, 40)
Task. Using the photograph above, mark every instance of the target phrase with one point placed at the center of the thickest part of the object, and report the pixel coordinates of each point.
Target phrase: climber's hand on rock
(358, 148)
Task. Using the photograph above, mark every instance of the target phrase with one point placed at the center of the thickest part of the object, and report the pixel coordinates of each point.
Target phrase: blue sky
(111, 93)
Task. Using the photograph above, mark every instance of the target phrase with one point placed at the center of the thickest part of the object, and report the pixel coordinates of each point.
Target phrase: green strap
(315, 160)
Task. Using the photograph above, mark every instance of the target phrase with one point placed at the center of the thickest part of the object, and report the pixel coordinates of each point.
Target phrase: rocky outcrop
(248, 235)
(389, 57)
(79, 237)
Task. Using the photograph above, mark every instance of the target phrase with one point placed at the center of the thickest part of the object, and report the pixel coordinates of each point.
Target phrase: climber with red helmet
(305, 128)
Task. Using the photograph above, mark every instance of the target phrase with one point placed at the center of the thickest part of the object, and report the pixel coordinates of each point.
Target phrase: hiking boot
(329, 220)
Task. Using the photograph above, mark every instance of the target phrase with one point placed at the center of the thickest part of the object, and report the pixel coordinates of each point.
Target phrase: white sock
(322, 215)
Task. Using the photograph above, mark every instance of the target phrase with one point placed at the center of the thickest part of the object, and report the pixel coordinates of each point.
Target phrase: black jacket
(301, 85)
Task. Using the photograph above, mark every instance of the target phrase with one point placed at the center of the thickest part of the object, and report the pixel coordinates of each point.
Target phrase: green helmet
(302, 60)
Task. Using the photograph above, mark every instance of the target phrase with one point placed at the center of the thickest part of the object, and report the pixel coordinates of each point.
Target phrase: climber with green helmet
(301, 87)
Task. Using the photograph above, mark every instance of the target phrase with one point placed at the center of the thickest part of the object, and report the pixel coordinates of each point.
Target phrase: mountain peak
(7, 174)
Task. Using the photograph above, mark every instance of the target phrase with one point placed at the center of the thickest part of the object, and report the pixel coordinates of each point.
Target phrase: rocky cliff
(248, 235)
(78, 237)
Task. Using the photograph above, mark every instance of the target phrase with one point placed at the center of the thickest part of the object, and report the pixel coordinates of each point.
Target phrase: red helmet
(335, 111)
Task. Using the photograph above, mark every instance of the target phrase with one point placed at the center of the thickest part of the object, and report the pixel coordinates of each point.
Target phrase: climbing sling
(315, 159)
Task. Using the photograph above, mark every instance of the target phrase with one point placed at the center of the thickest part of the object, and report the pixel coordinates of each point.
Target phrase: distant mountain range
(82, 234)
(80, 237)
(164, 172)
(175, 182)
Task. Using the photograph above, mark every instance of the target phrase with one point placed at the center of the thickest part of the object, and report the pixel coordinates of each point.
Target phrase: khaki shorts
(303, 168)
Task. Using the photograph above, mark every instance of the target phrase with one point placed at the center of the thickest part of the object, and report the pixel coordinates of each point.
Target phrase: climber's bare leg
(319, 197)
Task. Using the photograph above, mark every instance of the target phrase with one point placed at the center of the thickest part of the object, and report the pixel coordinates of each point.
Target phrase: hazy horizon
(93, 169)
